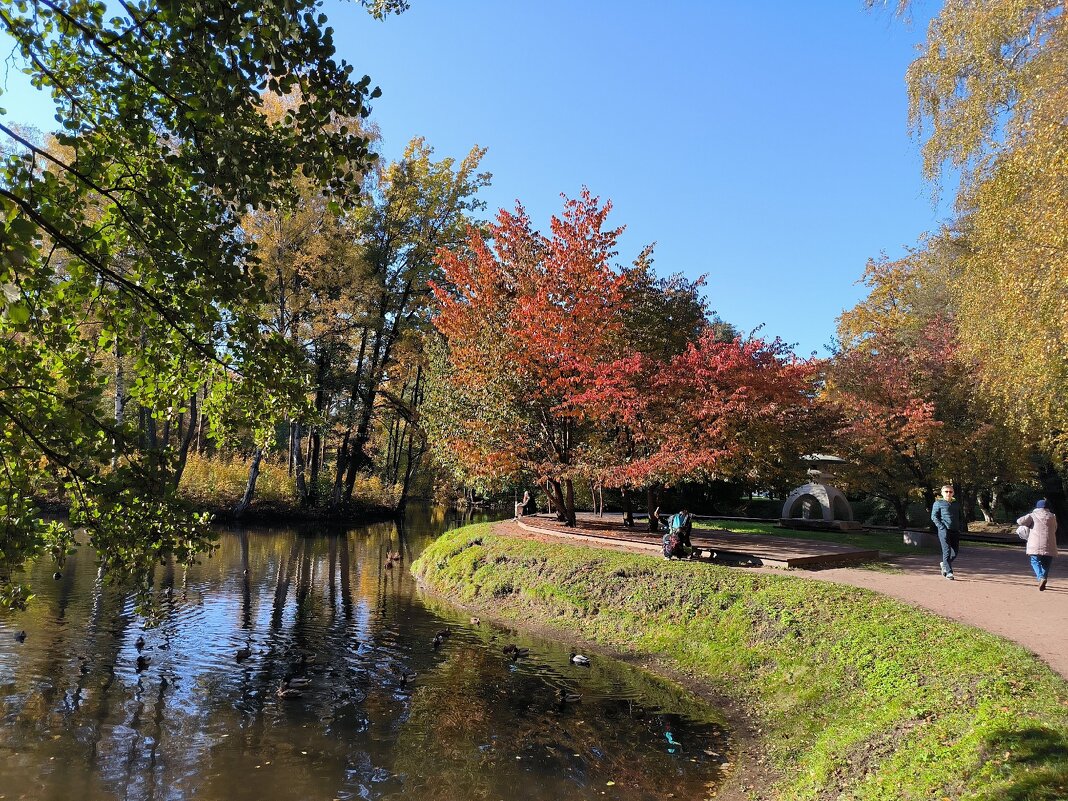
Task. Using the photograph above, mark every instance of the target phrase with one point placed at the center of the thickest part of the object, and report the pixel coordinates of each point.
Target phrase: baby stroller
(676, 541)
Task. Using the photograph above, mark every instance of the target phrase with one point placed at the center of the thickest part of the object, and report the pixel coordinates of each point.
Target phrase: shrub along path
(994, 588)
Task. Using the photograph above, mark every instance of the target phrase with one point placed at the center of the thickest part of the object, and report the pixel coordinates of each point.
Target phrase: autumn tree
(416, 206)
(987, 95)
(912, 414)
(740, 409)
(527, 318)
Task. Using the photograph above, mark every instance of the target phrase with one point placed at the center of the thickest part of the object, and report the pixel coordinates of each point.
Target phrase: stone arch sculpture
(831, 502)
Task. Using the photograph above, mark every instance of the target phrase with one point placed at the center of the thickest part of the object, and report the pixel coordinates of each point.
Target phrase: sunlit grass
(858, 696)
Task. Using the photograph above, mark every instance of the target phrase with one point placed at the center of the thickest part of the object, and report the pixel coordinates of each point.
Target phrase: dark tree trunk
(929, 498)
(250, 487)
(187, 441)
(339, 475)
(557, 495)
(569, 501)
(901, 507)
(315, 449)
(298, 467)
(1053, 489)
(292, 452)
(652, 503)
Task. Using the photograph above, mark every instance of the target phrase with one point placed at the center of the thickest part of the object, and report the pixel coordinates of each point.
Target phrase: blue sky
(764, 145)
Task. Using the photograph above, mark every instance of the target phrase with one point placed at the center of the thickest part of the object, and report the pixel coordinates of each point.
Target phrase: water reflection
(302, 664)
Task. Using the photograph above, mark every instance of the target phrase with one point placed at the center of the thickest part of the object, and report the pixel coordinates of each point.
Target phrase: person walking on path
(945, 514)
(1039, 528)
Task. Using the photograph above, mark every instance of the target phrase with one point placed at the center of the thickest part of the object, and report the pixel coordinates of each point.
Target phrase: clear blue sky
(762, 144)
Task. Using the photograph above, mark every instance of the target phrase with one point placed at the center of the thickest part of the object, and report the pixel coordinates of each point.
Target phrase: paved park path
(994, 590)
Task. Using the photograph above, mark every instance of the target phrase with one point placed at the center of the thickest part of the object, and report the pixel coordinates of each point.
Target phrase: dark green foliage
(126, 279)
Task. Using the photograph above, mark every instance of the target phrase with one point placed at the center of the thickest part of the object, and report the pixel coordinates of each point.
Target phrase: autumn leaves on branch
(562, 366)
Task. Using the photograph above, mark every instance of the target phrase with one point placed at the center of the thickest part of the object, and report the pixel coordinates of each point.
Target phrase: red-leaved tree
(740, 409)
(527, 320)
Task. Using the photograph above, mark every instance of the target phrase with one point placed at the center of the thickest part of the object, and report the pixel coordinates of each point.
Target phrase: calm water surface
(373, 710)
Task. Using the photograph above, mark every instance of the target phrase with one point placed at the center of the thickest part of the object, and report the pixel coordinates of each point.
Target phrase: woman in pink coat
(1039, 528)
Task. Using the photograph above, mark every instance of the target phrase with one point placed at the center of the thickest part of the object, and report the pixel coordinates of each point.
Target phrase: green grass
(857, 695)
(888, 541)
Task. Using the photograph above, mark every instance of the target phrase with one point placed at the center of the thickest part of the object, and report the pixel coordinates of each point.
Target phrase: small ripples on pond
(368, 707)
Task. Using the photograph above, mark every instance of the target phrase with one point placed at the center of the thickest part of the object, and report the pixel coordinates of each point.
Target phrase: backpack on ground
(672, 544)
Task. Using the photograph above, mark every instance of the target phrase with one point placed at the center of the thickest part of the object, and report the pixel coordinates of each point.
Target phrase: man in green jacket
(945, 514)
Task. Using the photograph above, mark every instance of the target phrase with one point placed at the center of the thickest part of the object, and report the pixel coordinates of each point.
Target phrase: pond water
(371, 706)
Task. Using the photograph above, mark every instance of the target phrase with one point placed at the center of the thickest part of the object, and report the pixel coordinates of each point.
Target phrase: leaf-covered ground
(857, 696)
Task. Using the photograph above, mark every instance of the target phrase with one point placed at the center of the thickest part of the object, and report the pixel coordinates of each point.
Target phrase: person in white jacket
(1039, 528)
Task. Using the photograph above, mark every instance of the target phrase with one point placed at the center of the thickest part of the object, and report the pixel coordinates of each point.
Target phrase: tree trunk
(201, 444)
(187, 441)
(120, 404)
(339, 475)
(901, 506)
(569, 501)
(988, 500)
(413, 459)
(929, 498)
(1053, 489)
(292, 453)
(558, 501)
(652, 503)
(314, 448)
(298, 467)
(250, 487)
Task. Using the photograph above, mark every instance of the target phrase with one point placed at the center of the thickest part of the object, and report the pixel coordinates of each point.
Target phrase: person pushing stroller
(676, 540)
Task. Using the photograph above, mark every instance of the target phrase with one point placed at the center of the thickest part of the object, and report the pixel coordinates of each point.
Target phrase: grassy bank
(858, 696)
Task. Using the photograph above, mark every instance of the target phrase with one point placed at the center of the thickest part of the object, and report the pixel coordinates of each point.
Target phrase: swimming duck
(444, 633)
(20, 636)
(140, 643)
(437, 641)
(143, 662)
(579, 659)
(566, 697)
(297, 682)
(244, 653)
(57, 575)
(475, 621)
(515, 651)
(287, 692)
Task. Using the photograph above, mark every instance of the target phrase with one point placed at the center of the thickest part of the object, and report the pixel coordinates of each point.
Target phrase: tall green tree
(120, 247)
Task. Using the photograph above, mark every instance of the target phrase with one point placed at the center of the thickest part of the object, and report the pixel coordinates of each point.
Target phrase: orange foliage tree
(742, 409)
(528, 319)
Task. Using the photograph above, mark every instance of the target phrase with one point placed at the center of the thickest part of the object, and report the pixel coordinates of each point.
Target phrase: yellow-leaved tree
(989, 95)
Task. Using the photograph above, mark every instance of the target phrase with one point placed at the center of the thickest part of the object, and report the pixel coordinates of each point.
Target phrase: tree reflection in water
(77, 719)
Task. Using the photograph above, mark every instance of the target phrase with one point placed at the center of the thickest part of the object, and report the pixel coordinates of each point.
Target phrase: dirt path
(994, 590)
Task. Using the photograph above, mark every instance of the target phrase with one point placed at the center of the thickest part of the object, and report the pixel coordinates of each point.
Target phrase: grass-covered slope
(858, 696)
